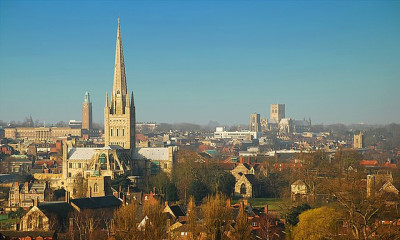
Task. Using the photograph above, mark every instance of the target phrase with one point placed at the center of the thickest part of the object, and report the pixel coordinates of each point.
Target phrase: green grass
(273, 203)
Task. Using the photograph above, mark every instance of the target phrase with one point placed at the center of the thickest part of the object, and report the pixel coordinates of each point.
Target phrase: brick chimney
(266, 209)
(241, 159)
(35, 202)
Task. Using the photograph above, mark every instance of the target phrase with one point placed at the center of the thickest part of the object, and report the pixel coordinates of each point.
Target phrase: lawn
(273, 203)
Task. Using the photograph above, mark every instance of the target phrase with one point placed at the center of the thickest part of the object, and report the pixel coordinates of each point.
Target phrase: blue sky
(195, 61)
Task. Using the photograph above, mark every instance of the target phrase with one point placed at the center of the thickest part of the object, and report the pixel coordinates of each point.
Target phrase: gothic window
(96, 188)
(111, 132)
(243, 188)
(117, 132)
(123, 132)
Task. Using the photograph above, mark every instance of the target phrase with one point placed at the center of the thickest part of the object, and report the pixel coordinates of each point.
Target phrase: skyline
(185, 61)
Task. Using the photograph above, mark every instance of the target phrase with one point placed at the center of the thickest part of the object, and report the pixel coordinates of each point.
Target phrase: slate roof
(252, 179)
(96, 202)
(177, 210)
(61, 208)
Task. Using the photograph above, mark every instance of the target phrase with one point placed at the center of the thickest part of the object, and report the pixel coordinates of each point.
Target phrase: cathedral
(119, 112)
(98, 166)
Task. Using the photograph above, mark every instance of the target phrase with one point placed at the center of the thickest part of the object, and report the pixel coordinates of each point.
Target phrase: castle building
(87, 114)
(255, 122)
(119, 112)
(277, 112)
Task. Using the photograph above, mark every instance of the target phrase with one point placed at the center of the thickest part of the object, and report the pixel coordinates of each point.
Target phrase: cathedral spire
(119, 86)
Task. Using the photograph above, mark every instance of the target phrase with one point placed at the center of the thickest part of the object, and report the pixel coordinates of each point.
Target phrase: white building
(220, 133)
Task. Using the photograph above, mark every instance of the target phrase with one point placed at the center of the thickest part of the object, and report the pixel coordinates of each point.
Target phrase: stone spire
(119, 92)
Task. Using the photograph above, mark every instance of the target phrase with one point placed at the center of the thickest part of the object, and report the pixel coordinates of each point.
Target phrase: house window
(243, 188)
(79, 165)
(123, 132)
(165, 165)
(70, 165)
(96, 188)
(117, 132)
(111, 132)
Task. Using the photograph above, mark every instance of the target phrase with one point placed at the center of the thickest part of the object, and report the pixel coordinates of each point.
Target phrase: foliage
(192, 219)
(315, 224)
(293, 215)
(160, 181)
(122, 181)
(172, 193)
(126, 221)
(156, 223)
(242, 227)
(216, 216)
(226, 183)
(59, 193)
(198, 190)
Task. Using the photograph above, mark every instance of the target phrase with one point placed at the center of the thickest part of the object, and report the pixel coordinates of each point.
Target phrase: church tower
(119, 112)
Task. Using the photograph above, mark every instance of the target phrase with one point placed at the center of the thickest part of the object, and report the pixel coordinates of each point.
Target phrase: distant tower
(87, 113)
(255, 122)
(277, 112)
(358, 140)
(119, 113)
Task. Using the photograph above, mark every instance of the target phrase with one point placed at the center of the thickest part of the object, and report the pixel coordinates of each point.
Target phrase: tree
(192, 219)
(86, 223)
(315, 224)
(156, 222)
(242, 226)
(126, 222)
(293, 215)
(226, 183)
(172, 193)
(185, 171)
(80, 187)
(198, 190)
(160, 181)
(217, 216)
(121, 181)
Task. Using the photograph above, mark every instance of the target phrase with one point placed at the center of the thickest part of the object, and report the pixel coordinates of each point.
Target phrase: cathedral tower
(119, 112)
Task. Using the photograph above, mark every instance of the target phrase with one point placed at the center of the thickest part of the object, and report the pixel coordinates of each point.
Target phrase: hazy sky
(195, 61)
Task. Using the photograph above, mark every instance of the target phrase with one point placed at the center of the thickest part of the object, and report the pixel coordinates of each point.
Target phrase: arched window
(96, 188)
(243, 188)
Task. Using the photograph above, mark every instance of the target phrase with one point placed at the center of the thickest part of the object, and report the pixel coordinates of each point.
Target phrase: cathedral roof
(80, 153)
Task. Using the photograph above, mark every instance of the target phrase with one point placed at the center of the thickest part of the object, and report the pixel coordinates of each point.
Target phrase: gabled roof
(61, 208)
(388, 187)
(298, 182)
(252, 179)
(96, 202)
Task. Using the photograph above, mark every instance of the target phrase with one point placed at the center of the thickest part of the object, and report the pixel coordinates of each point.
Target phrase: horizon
(195, 62)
